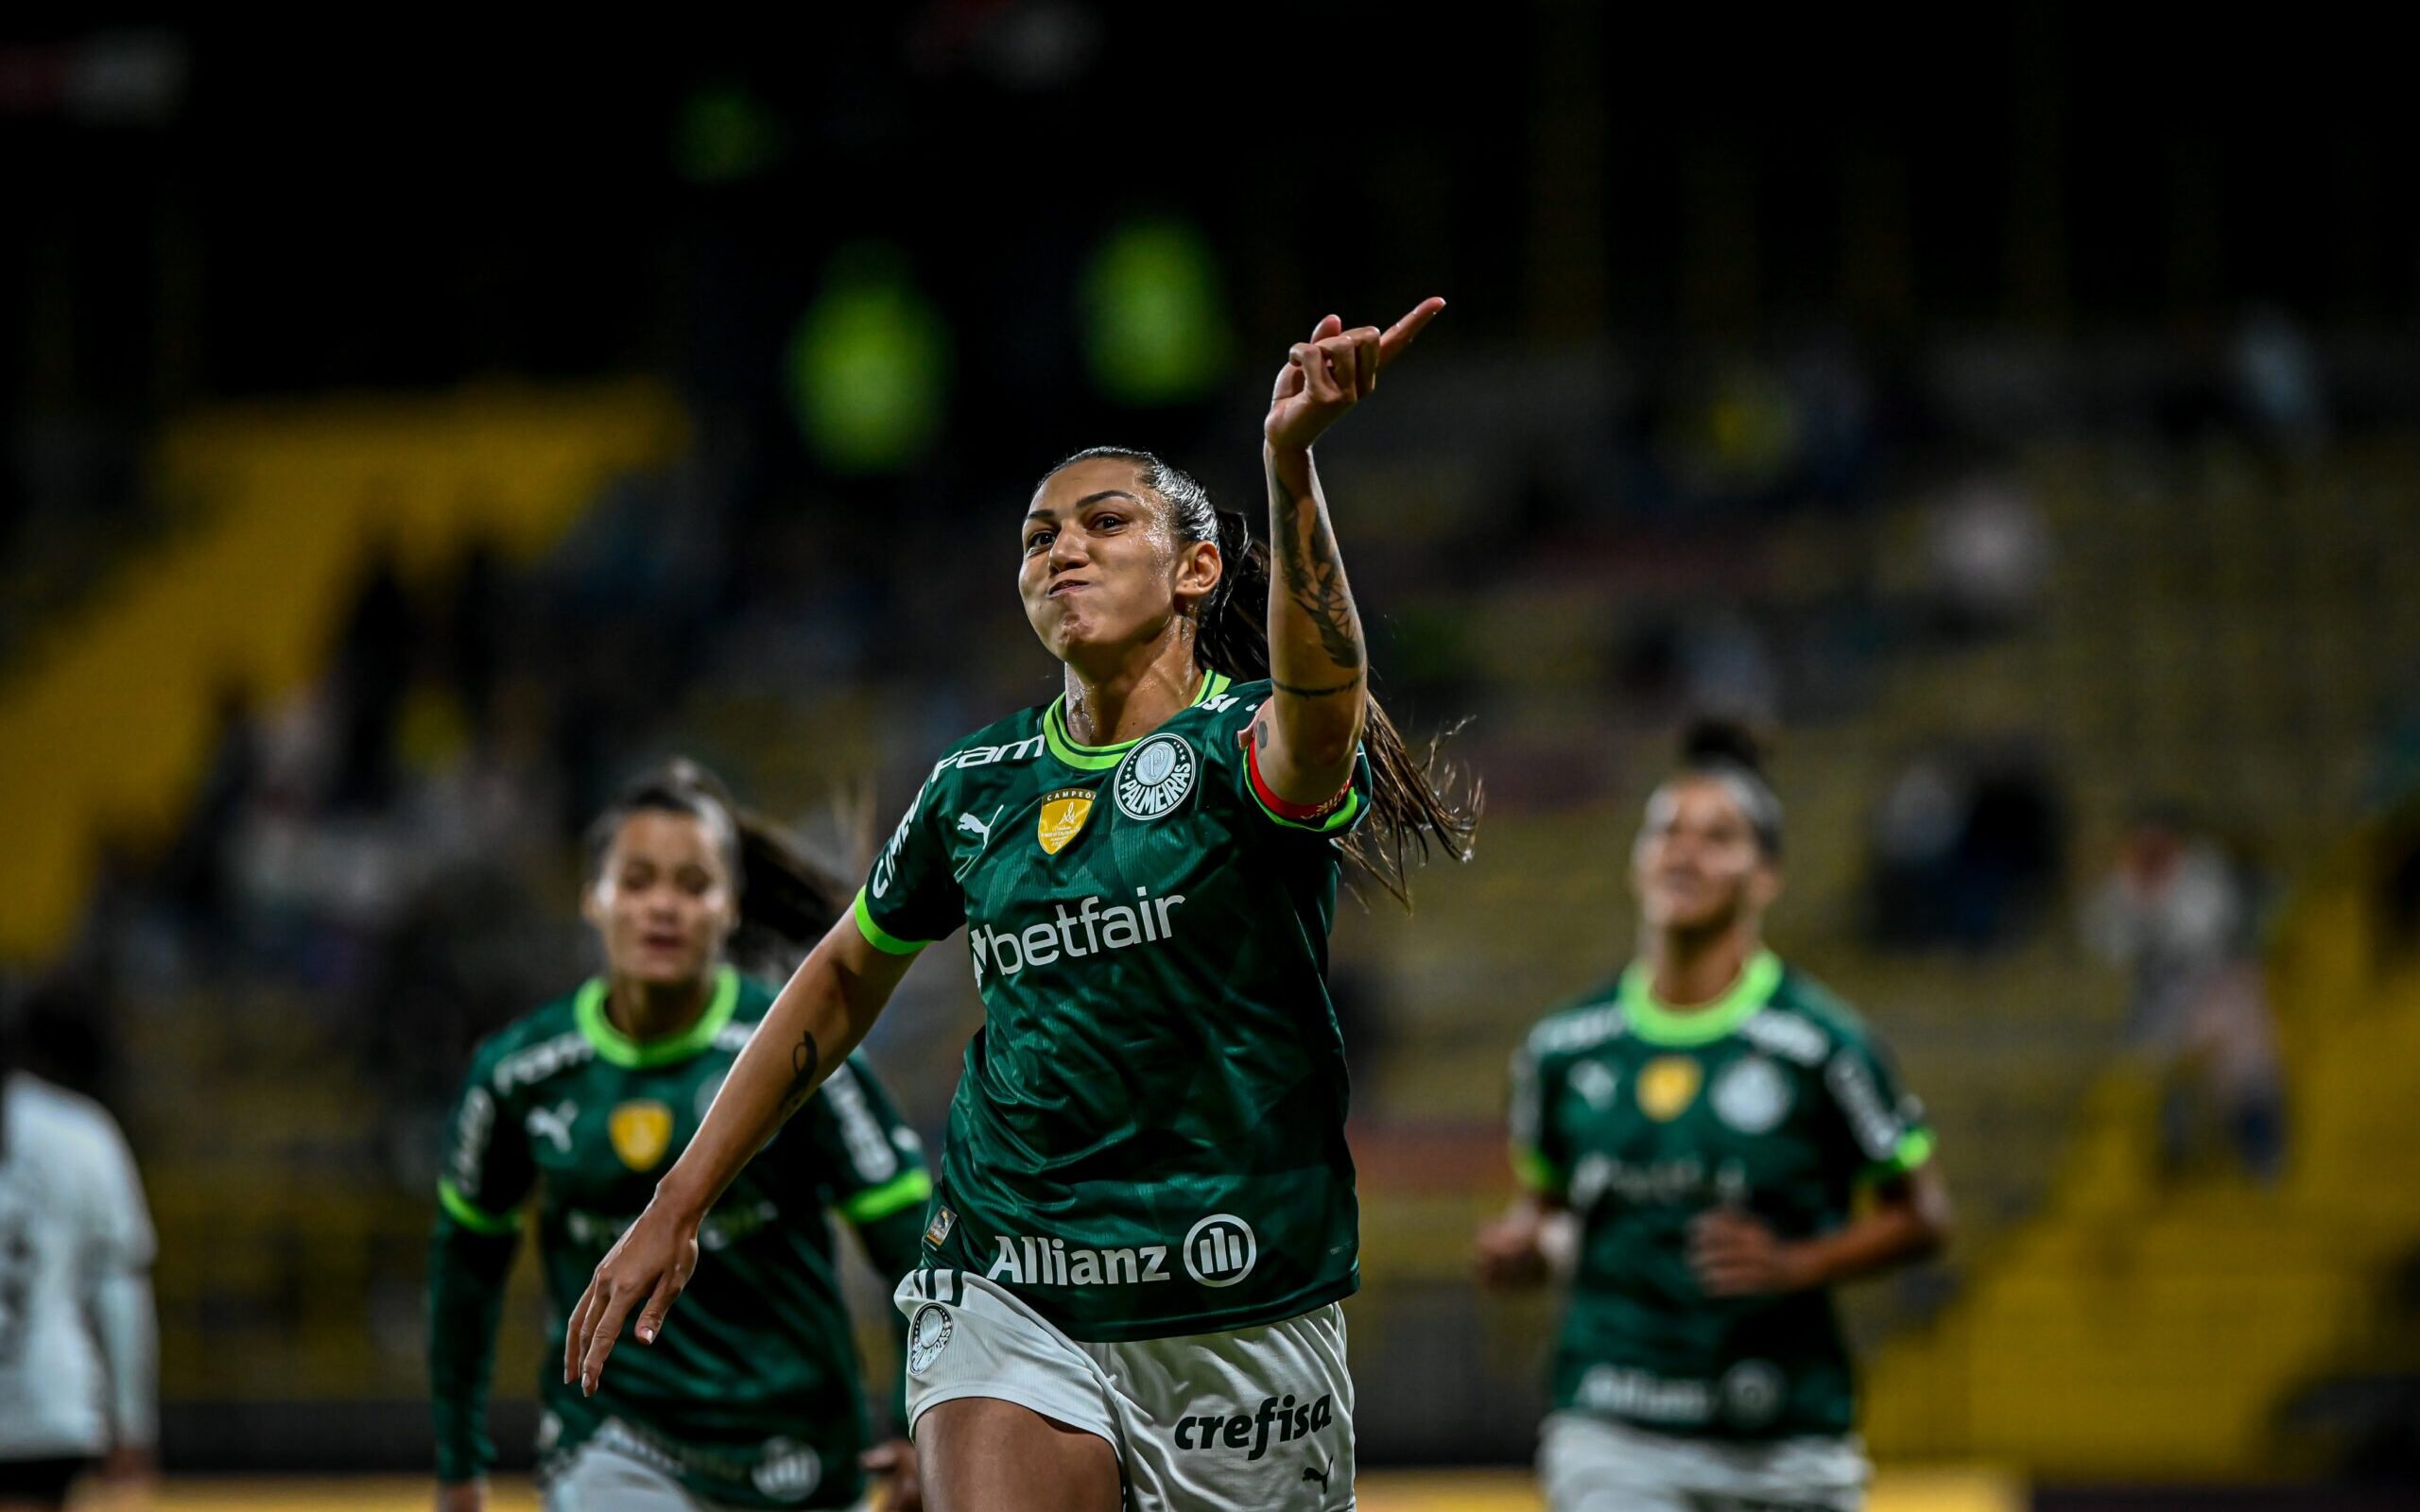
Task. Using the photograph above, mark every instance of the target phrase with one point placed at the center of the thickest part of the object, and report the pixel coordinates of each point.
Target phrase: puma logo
(1319, 1475)
(554, 1123)
(980, 828)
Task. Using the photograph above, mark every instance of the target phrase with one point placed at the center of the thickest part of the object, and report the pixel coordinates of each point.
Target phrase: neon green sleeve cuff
(879, 938)
(1915, 1148)
(472, 1217)
(1536, 1173)
(905, 1189)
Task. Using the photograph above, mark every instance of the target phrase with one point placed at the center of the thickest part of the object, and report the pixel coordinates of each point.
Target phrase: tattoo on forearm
(1315, 692)
(1314, 577)
(804, 1061)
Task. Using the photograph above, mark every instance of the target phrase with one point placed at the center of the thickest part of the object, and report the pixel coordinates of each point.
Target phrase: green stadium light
(1155, 328)
(869, 367)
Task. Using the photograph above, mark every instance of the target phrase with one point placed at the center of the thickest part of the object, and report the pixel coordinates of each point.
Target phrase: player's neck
(656, 1010)
(1693, 970)
(1109, 706)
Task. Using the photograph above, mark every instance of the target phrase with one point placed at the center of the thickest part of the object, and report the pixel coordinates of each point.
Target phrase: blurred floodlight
(1155, 329)
(869, 367)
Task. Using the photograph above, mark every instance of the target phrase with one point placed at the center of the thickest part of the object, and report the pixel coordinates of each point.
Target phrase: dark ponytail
(1414, 803)
(788, 901)
(1729, 754)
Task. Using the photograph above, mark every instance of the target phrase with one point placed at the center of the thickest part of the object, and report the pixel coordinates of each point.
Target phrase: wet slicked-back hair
(1416, 804)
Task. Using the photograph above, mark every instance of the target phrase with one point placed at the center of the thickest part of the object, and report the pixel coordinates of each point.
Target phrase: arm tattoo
(1314, 579)
(804, 1061)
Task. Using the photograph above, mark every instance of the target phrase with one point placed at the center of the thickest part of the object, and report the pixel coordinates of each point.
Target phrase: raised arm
(1304, 741)
(819, 1018)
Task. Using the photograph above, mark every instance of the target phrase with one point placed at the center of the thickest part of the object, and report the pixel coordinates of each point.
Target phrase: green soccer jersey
(1148, 1138)
(1775, 1101)
(751, 1396)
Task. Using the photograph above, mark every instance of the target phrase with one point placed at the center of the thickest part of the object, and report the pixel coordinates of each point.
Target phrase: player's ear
(1198, 567)
(592, 903)
(1635, 875)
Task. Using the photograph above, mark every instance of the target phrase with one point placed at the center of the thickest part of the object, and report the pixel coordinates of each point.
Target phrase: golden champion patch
(1666, 1086)
(1063, 814)
(642, 1132)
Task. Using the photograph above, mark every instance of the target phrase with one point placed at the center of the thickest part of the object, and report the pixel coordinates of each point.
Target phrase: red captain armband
(1281, 808)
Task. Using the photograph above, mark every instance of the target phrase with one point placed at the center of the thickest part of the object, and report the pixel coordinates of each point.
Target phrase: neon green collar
(616, 1048)
(1101, 758)
(1660, 1024)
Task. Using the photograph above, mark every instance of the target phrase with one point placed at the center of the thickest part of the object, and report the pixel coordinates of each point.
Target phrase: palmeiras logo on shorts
(928, 1336)
(1220, 1250)
(1751, 1393)
(789, 1470)
(1155, 777)
(1751, 1095)
(1063, 814)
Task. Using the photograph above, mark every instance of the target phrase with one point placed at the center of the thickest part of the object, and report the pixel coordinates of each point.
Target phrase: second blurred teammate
(755, 1401)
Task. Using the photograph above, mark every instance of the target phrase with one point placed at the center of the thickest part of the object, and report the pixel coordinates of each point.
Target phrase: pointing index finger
(1400, 334)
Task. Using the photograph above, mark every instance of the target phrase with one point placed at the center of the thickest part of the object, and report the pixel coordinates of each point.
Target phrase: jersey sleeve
(910, 898)
(1539, 1159)
(872, 1163)
(1879, 1128)
(1340, 815)
(487, 1172)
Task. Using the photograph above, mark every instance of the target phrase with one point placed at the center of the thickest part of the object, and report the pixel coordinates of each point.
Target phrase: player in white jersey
(79, 1375)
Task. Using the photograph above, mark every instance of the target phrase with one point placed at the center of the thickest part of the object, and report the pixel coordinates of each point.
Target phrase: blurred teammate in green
(755, 1402)
(1708, 1123)
(1146, 1218)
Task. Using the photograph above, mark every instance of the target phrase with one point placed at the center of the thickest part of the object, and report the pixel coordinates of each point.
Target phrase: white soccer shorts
(1255, 1420)
(1589, 1464)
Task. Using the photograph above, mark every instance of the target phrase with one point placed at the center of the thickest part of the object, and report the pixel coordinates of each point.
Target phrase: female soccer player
(1708, 1120)
(755, 1402)
(1144, 1216)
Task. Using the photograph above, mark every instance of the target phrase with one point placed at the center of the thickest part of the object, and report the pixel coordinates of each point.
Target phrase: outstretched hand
(651, 1262)
(1332, 371)
(1509, 1253)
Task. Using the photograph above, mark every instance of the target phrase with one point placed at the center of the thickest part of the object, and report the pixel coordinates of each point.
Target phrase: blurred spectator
(2175, 913)
(2278, 381)
(372, 661)
(2172, 913)
(194, 875)
(1988, 557)
(1968, 848)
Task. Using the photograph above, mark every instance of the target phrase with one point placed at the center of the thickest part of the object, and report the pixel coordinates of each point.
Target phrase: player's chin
(1071, 630)
(1694, 911)
(655, 968)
